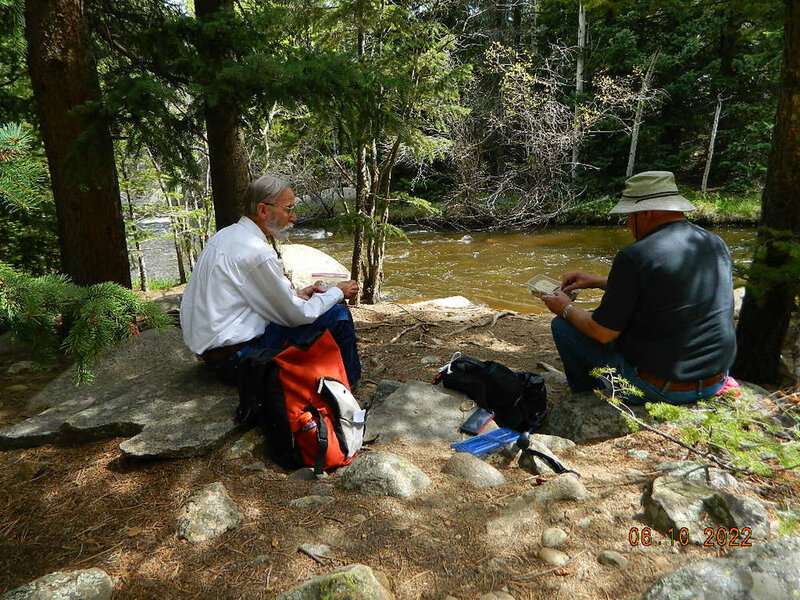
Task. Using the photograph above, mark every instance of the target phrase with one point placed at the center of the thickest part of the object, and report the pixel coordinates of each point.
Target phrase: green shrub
(53, 315)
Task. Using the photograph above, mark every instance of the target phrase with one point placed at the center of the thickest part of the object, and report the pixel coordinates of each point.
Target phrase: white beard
(280, 234)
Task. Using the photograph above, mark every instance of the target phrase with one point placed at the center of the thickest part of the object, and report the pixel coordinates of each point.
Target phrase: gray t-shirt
(671, 296)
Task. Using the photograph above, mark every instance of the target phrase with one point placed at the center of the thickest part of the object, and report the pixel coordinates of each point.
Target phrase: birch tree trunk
(578, 83)
(637, 120)
(712, 141)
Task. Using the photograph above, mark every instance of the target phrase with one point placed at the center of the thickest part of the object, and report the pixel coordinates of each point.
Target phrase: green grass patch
(720, 208)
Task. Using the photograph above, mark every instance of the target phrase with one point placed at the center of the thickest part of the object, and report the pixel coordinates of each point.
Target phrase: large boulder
(769, 571)
(584, 416)
(151, 389)
(305, 265)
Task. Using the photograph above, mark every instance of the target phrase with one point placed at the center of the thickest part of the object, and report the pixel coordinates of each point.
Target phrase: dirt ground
(66, 508)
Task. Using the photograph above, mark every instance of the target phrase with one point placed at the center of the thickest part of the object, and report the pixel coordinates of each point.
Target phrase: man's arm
(560, 304)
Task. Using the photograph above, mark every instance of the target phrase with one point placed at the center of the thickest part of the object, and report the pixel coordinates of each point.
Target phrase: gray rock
(318, 550)
(169, 303)
(551, 374)
(552, 442)
(256, 466)
(23, 366)
(250, 442)
(430, 361)
(582, 417)
(382, 474)
(498, 595)
(553, 537)
(638, 454)
(768, 571)
(699, 472)
(554, 558)
(354, 582)
(208, 513)
(610, 558)
(151, 388)
(303, 474)
(474, 470)
(90, 584)
(676, 502)
(322, 489)
(566, 487)
(419, 411)
(302, 262)
(310, 501)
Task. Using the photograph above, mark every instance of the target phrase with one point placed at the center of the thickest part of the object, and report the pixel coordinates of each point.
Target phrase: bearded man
(238, 299)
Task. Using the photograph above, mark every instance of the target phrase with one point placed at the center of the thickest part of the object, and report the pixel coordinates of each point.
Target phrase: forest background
(466, 114)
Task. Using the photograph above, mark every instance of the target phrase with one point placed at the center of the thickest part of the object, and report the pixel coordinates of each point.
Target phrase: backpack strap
(322, 440)
(523, 443)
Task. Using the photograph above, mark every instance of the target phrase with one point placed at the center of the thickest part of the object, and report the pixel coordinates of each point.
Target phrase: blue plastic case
(486, 442)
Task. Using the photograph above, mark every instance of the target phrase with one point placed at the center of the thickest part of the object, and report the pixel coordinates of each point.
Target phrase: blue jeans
(337, 320)
(580, 354)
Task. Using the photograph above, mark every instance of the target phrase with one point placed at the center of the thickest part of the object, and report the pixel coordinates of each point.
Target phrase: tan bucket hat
(651, 190)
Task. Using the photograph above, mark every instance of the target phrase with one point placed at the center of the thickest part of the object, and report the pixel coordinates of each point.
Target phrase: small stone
(638, 454)
(554, 558)
(429, 361)
(314, 549)
(245, 445)
(209, 513)
(635, 475)
(553, 537)
(16, 388)
(352, 581)
(498, 595)
(304, 474)
(322, 489)
(90, 584)
(478, 472)
(661, 563)
(25, 366)
(610, 558)
(379, 473)
(255, 466)
(310, 501)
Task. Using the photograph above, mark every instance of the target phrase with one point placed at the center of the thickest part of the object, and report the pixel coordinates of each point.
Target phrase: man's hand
(309, 291)
(349, 289)
(577, 280)
(556, 302)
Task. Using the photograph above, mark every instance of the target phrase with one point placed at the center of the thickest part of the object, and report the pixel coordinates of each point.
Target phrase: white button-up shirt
(238, 287)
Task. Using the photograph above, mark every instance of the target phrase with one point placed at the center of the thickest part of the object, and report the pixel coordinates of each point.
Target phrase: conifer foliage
(53, 314)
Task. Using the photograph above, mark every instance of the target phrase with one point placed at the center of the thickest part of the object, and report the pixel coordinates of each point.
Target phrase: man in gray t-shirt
(666, 319)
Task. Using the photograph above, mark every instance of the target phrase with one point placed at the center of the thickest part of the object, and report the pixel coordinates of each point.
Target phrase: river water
(489, 268)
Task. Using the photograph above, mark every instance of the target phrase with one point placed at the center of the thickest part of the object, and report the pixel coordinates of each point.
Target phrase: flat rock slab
(419, 411)
(151, 389)
(769, 571)
(354, 582)
(90, 584)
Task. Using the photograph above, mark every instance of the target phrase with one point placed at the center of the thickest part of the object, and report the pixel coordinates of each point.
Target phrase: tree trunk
(764, 319)
(82, 173)
(361, 187)
(637, 120)
(578, 83)
(712, 141)
(226, 151)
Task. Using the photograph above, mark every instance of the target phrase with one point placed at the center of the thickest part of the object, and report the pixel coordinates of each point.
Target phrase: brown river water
(492, 268)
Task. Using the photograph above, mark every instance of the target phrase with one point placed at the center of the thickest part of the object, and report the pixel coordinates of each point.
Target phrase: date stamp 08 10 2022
(714, 536)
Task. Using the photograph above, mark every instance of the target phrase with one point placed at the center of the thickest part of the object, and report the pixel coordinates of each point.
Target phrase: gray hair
(264, 189)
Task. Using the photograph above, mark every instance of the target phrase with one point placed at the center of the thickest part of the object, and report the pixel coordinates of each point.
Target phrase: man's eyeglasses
(291, 209)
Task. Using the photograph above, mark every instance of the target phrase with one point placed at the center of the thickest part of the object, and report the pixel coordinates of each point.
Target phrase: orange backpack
(300, 398)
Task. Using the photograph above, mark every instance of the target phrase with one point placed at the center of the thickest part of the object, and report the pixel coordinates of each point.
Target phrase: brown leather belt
(214, 354)
(681, 386)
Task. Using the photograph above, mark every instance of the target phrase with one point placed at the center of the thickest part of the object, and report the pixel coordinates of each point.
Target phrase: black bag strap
(523, 443)
(322, 440)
